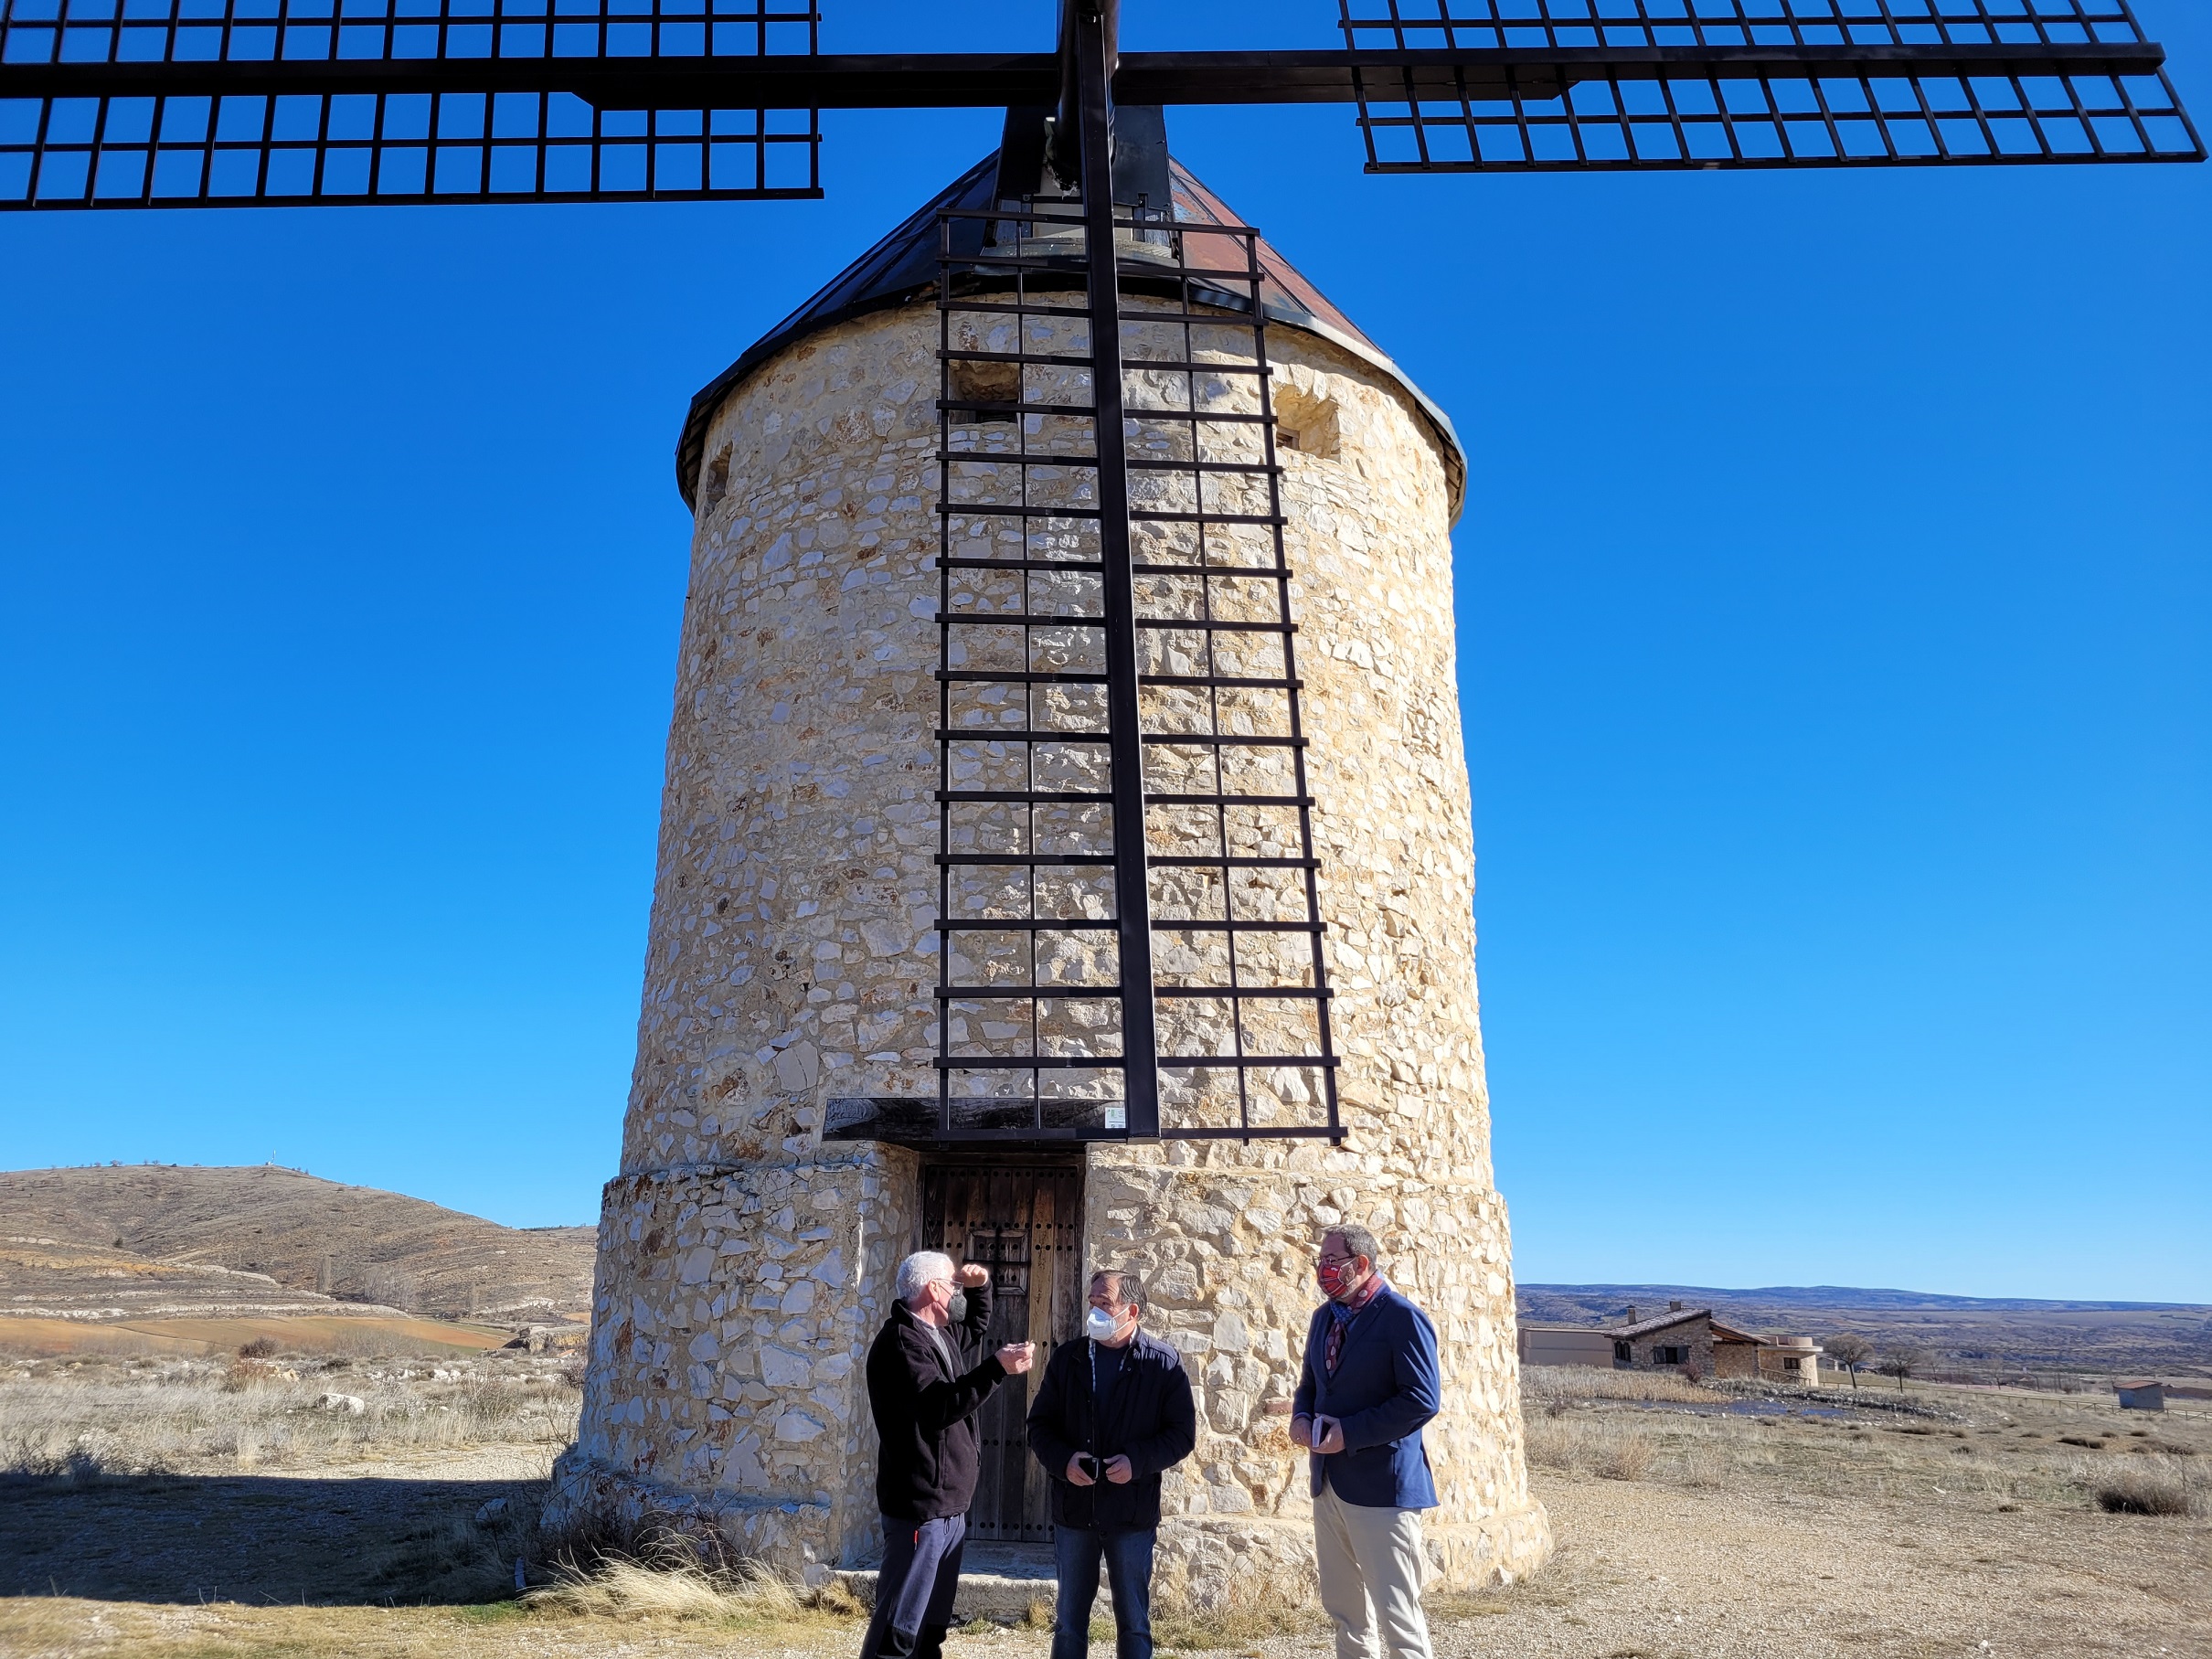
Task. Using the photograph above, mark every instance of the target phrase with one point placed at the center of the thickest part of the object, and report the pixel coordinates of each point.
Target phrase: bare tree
(1902, 1361)
(393, 1287)
(1850, 1350)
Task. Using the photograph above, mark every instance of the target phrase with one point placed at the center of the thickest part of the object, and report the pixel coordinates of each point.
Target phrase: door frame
(1051, 1274)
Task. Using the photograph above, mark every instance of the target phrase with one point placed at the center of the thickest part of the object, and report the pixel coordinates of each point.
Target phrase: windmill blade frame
(1644, 85)
(195, 103)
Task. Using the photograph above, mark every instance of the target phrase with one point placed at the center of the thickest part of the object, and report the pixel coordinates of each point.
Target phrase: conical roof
(902, 268)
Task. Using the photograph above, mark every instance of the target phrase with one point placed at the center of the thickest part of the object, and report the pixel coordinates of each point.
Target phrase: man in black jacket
(925, 1397)
(1113, 1412)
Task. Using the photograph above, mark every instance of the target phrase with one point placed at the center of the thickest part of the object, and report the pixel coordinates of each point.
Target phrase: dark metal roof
(1644, 1327)
(902, 268)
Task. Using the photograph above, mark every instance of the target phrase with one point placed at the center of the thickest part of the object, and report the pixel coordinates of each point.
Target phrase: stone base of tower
(1200, 1562)
(730, 1324)
(793, 1538)
(1204, 1562)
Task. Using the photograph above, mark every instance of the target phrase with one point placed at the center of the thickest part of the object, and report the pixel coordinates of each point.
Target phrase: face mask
(1101, 1325)
(956, 1310)
(1330, 1275)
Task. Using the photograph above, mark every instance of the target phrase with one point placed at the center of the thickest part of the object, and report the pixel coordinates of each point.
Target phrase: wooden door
(1025, 1224)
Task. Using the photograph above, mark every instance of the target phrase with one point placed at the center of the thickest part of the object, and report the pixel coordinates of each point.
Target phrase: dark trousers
(915, 1587)
(1128, 1558)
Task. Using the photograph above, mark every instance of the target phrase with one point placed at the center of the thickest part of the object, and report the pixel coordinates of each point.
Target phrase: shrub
(2143, 1493)
(260, 1347)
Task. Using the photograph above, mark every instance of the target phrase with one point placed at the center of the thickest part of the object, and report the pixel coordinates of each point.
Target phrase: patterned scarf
(1341, 1314)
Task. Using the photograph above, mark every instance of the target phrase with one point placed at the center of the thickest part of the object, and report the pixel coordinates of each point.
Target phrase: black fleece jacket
(1149, 1418)
(925, 1413)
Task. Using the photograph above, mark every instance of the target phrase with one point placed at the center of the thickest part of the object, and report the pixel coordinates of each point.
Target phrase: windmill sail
(167, 103)
(211, 103)
(1475, 86)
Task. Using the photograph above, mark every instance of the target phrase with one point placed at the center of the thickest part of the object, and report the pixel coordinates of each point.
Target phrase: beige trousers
(1371, 1564)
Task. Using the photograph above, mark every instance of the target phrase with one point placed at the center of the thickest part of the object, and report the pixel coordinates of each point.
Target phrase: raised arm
(937, 1404)
(970, 1332)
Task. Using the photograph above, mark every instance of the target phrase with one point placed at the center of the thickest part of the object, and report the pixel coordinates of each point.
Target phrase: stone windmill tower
(1065, 853)
(888, 998)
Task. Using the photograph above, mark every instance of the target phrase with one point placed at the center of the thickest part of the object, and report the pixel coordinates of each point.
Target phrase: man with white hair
(925, 1397)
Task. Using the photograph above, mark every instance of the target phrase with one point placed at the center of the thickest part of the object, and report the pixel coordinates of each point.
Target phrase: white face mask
(1101, 1325)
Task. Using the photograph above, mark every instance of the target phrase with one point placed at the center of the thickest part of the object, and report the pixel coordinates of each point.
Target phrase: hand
(1328, 1435)
(1301, 1430)
(973, 1276)
(1015, 1357)
(1120, 1471)
(1076, 1474)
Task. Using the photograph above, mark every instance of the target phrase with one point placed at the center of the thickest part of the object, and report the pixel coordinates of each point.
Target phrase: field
(1956, 1338)
(186, 1508)
(358, 1334)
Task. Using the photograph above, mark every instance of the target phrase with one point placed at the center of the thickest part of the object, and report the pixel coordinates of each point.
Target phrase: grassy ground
(174, 1512)
(363, 1336)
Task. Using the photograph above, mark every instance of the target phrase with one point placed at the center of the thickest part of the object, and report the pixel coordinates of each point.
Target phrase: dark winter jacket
(925, 1413)
(1149, 1419)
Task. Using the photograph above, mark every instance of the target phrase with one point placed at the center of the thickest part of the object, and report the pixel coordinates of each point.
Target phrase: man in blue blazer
(1370, 1381)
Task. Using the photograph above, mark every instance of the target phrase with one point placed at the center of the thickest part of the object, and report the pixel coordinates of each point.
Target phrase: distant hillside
(154, 1236)
(1967, 1335)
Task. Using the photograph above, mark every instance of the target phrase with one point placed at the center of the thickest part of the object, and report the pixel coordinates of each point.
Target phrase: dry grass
(1244, 1609)
(2163, 1486)
(170, 1415)
(1548, 1386)
(676, 1587)
(1620, 1449)
(1624, 1460)
(1712, 1443)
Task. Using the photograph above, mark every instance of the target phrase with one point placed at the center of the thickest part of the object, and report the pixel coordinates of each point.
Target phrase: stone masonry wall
(791, 963)
(1694, 1335)
(731, 1324)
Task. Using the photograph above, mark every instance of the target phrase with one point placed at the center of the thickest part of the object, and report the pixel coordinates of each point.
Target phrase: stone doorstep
(1005, 1588)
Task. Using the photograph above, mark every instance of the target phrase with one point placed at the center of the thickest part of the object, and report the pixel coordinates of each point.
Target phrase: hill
(157, 1239)
(1968, 1337)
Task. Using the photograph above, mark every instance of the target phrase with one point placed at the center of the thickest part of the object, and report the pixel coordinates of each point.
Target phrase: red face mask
(1331, 1277)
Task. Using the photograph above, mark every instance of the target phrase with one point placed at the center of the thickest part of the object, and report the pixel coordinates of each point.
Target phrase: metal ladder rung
(1041, 797)
(1025, 735)
(1032, 1062)
(995, 993)
(1249, 1061)
(1245, 992)
(1028, 924)
(1015, 677)
(961, 562)
(1017, 860)
(1225, 682)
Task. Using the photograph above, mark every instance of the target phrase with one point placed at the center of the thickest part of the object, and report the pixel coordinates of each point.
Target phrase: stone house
(1782, 1359)
(786, 1141)
(1692, 1340)
(1681, 1338)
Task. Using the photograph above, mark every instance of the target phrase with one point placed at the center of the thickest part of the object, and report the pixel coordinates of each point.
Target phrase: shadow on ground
(265, 1539)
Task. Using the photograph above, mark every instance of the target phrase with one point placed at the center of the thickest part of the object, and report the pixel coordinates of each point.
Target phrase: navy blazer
(1387, 1384)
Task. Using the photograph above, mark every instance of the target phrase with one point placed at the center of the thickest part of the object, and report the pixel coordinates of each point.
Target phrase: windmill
(1143, 795)
(195, 103)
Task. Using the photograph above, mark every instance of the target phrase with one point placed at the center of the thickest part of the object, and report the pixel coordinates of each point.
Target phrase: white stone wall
(791, 963)
(730, 1325)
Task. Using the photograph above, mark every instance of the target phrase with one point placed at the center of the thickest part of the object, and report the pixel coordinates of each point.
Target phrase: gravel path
(1645, 1570)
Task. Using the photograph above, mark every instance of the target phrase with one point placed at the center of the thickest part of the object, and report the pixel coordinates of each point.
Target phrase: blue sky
(1833, 598)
